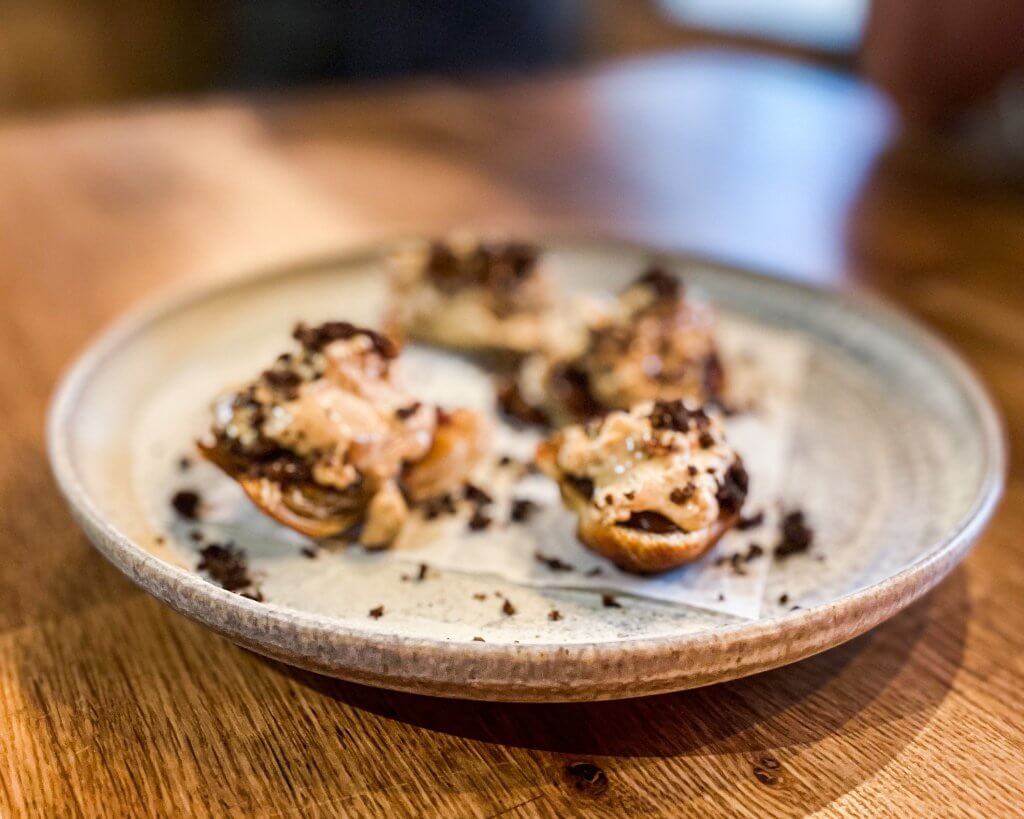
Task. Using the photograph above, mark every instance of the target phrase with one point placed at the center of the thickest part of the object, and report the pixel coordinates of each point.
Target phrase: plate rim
(607, 669)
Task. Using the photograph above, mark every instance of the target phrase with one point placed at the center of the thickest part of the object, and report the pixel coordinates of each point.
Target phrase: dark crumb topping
(706, 439)
(506, 460)
(474, 494)
(421, 575)
(676, 416)
(507, 608)
(662, 283)
(554, 615)
(479, 520)
(522, 509)
(587, 777)
(284, 381)
(377, 613)
(316, 338)
(681, 496)
(609, 601)
(733, 490)
(186, 503)
(653, 522)
(196, 536)
(499, 266)
(405, 412)
(750, 521)
(581, 485)
(226, 565)
(437, 506)
(783, 599)
(795, 535)
(553, 563)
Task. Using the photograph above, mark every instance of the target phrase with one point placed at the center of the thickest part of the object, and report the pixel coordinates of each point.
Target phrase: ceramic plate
(895, 455)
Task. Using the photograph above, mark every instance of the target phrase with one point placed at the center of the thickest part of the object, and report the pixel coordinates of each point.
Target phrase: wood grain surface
(111, 705)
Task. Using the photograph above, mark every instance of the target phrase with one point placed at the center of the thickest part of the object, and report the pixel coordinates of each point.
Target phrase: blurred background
(952, 65)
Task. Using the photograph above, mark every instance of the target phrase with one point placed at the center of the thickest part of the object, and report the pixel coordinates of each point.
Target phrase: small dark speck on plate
(479, 596)
(783, 599)
(609, 601)
(184, 463)
(507, 608)
(479, 640)
(186, 503)
(309, 551)
(377, 613)
(554, 614)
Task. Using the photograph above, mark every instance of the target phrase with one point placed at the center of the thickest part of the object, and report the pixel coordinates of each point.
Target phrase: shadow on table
(896, 675)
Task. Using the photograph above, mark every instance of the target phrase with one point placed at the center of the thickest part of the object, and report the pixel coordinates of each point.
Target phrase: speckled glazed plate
(896, 456)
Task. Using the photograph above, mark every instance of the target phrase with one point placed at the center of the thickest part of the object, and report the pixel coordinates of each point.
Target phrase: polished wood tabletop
(112, 705)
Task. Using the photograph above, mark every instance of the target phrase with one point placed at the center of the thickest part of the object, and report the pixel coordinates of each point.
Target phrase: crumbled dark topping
(479, 520)
(475, 495)
(186, 503)
(706, 439)
(498, 266)
(522, 509)
(692, 470)
(405, 412)
(284, 381)
(554, 615)
(676, 416)
(587, 778)
(438, 505)
(733, 491)
(681, 496)
(553, 563)
(663, 284)
(507, 608)
(648, 521)
(316, 338)
(377, 613)
(795, 536)
(196, 536)
(754, 551)
(609, 601)
(750, 521)
(783, 599)
(581, 485)
(506, 460)
(226, 564)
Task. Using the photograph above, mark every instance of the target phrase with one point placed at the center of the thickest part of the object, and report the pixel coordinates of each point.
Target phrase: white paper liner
(766, 369)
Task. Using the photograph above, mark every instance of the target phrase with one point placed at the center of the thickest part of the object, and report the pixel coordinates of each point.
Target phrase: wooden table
(110, 704)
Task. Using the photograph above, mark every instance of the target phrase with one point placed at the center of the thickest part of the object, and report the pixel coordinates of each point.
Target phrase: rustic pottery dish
(897, 457)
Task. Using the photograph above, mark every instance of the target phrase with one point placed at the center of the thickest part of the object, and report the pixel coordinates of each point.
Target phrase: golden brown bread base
(632, 550)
